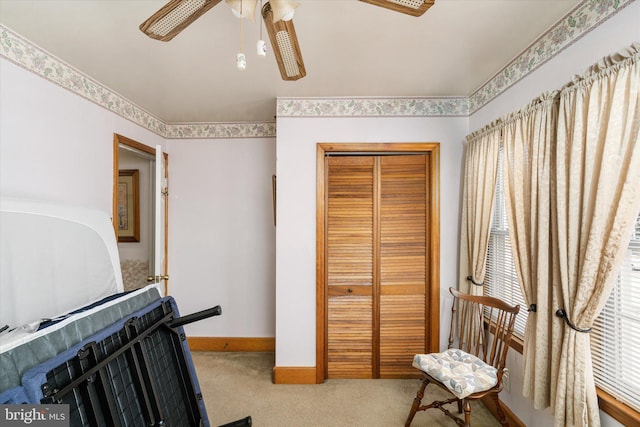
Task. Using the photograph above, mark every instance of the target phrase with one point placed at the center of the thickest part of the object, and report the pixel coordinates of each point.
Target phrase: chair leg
(459, 406)
(501, 417)
(467, 413)
(416, 402)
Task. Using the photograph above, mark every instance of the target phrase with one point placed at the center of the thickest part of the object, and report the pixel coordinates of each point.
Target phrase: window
(615, 339)
(501, 279)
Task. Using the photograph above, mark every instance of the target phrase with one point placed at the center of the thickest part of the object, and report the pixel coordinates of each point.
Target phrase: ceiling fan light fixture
(283, 10)
(408, 7)
(243, 8)
(175, 16)
(284, 42)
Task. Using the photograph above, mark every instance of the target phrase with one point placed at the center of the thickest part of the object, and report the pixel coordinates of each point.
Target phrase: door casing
(119, 140)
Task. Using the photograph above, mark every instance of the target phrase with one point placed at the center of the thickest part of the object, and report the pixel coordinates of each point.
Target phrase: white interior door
(160, 194)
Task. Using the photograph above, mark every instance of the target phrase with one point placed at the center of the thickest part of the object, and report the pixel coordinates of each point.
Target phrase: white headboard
(53, 259)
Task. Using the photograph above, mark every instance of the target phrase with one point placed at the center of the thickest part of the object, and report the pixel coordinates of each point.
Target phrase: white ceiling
(350, 48)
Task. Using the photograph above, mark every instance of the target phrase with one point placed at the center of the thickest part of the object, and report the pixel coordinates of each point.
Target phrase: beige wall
(222, 236)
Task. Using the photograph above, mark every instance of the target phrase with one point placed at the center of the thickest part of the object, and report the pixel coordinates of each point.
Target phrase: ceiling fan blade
(284, 42)
(409, 7)
(174, 17)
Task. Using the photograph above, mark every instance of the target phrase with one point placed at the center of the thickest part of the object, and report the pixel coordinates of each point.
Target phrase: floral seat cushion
(462, 373)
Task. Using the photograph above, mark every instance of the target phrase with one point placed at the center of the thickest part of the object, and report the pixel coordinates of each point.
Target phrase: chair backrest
(476, 317)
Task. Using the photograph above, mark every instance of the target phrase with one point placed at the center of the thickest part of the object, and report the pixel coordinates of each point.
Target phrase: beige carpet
(235, 385)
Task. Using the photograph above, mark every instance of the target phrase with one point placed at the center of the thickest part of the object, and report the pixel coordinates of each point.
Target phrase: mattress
(31, 344)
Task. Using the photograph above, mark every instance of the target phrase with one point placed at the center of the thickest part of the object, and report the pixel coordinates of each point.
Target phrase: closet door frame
(432, 150)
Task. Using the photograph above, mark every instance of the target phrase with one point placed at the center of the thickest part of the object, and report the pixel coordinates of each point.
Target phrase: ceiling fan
(177, 15)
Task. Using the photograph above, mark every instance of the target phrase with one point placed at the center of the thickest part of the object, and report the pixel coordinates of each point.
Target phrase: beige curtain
(480, 171)
(528, 136)
(597, 198)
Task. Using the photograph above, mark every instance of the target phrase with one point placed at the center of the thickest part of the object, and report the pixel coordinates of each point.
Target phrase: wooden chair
(473, 365)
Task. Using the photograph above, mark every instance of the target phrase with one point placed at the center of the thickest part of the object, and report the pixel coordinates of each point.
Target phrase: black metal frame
(139, 375)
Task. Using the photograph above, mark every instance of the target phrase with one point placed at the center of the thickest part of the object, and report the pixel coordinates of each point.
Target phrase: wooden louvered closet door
(376, 252)
(350, 258)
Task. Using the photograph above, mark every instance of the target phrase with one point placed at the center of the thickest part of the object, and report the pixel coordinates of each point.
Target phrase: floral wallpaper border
(221, 130)
(373, 107)
(582, 19)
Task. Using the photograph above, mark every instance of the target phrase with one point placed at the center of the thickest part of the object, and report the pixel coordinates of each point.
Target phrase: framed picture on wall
(128, 206)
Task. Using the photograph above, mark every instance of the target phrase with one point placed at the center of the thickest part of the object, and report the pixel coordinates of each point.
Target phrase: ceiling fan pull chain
(261, 46)
(241, 60)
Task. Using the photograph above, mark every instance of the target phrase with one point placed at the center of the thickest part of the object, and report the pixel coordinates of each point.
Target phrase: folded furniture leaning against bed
(136, 371)
(23, 348)
(72, 335)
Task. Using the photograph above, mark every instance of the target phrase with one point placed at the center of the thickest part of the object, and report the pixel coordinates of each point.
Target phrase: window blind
(501, 279)
(615, 338)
